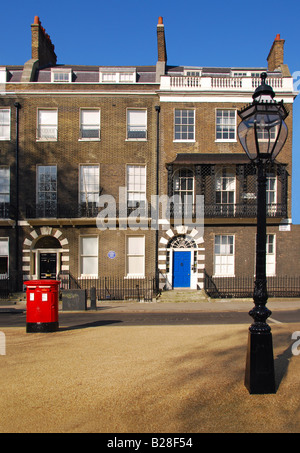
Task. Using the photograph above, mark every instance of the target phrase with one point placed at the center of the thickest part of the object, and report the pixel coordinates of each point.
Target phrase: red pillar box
(42, 305)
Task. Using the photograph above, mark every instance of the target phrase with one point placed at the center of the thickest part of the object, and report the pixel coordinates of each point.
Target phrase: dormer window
(59, 75)
(117, 75)
(193, 72)
(239, 74)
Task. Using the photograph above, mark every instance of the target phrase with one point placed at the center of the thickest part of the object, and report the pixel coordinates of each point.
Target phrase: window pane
(184, 125)
(3, 247)
(89, 255)
(89, 246)
(135, 245)
(225, 125)
(136, 117)
(89, 183)
(90, 123)
(224, 255)
(48, 117)
(89, 265)
(4, 124)
(90, 117)
(47, 124)
(4, 185)
(136, 123)
(135, 265)
(136, 182)
(135, 255)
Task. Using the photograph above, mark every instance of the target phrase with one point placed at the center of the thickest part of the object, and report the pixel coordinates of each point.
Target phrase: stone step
(184, 295)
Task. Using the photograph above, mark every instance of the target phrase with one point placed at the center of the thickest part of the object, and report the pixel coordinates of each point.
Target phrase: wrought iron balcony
(90, 210)
(211, 210)
(237, 210)
(6, 211)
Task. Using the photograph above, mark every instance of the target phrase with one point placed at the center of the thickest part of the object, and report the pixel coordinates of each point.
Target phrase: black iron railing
(8, 284)
(89, 210)
(6, 211)
(113, 288)
(243, 286)
(236, 210)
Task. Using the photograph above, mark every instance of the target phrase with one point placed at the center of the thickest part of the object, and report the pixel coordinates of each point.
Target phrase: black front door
(48, 265)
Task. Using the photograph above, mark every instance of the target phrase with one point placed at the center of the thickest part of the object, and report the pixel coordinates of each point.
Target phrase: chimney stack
(42, 48)
(275, 57)
(161, 50)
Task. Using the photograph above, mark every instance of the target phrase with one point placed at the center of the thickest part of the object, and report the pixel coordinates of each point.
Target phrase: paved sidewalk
(222, 305)
(214, 305)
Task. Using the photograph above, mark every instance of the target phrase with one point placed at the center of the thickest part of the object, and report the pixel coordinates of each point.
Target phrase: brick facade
(157, 91)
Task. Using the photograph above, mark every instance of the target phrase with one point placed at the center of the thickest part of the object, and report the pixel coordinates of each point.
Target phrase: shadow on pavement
(281, 364)
(88, 325)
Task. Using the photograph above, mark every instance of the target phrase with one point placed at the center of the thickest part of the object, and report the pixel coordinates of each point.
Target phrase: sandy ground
(153, 379)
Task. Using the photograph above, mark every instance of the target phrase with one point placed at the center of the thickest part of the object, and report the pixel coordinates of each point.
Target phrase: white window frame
(271, 255)
(39, 202)
(181, 187)
(117, 75)
(94, 126)
(54, 126)
(181, 125)
(94, 255)
(192, 72)
(142, 128)
(5, 184)
(90, 196)
(225, 175)
(5, 124)
(224, 256)
(6, 240)
(222, 124)
(134, 185)
(271, 193)
(141, 273)
(61, 75)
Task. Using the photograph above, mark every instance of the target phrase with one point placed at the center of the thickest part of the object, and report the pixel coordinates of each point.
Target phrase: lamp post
(262, 133)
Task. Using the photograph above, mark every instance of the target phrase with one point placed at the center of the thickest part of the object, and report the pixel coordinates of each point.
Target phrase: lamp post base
(259, 374)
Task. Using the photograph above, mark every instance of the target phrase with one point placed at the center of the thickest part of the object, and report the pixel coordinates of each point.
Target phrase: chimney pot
(36, 20)
(160, 21)
(277, 37)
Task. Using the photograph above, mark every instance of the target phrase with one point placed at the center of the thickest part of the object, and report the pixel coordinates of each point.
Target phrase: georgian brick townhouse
(72, 135)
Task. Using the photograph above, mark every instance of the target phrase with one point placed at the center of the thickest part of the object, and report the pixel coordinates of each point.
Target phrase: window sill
(136, 140)
(46, 139)
(184, 141)
(223, 276)
(89, 139)
(232, 140)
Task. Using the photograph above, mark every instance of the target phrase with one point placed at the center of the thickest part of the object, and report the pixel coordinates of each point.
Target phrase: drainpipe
(157, 108)
(18, 106)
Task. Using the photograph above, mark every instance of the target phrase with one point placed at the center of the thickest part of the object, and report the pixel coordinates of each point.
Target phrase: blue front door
(181, 269)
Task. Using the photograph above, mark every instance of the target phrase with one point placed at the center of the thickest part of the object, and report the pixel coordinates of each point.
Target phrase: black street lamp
(262, 133)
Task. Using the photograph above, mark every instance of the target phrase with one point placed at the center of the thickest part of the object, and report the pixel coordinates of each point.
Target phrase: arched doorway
(46, 255)
(182, 261)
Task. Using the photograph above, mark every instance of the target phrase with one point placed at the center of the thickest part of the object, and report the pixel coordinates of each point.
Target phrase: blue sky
(218, 33)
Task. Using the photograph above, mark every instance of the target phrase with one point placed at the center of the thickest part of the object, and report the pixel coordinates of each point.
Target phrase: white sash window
(47, 125)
